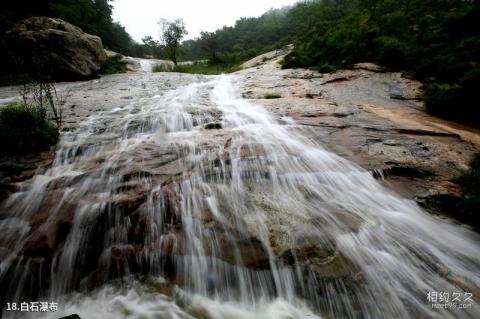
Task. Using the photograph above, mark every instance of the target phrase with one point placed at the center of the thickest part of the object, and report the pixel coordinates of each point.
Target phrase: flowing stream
(196, 203)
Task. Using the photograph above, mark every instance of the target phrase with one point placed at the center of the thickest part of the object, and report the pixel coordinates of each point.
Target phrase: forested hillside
(249, 37)
(436, 41)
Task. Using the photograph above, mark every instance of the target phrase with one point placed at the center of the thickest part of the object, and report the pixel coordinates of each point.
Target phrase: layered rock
(375, 119)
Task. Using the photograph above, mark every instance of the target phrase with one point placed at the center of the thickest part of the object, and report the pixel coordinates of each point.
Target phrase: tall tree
(372, 7)
(152, 47)
(209, 43)
(171, 33)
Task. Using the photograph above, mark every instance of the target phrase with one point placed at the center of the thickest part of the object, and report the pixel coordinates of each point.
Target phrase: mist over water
(196, 203)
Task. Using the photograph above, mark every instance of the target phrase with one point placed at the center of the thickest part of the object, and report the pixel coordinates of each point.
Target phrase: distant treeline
(436, 41)
(249, 37)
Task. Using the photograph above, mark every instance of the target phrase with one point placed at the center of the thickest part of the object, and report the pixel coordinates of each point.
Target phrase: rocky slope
(374, 118)
(176, 175)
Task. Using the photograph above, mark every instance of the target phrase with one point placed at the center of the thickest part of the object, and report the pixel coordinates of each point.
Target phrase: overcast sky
(140, 17)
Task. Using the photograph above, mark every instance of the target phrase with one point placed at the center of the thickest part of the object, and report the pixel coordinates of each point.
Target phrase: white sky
(140, 17)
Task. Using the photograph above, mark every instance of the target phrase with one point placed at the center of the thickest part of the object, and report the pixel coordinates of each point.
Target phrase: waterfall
(146, 65)
(196, 203)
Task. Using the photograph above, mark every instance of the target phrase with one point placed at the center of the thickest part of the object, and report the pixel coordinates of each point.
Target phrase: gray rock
(213, 126)
(53, 49)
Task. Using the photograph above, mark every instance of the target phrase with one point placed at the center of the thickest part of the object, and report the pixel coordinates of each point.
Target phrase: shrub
(435, 41)
(197, 68)
(22, 130)
(272, 96)
(439, 97)
(391, 51)
(467, 207)
(470, 180)
(326, 68)
(455, 101)
(114, 64)
(162, 68)
(464, 208)
(14, 78)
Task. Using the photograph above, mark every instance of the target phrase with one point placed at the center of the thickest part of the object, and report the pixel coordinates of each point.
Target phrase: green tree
(152, 47)
(209, 43)
(171, 33)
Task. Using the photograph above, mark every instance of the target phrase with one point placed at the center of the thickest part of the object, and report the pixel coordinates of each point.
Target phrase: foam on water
(259, 221)
(140, 302)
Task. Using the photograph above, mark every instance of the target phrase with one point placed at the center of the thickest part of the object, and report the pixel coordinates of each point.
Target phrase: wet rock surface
(374, 118)
(16, 169)
(175, 175)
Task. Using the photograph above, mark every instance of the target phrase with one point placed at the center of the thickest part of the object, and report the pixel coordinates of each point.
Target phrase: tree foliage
(23, 130)
(171, 33)
(247, 38)
(436, 41)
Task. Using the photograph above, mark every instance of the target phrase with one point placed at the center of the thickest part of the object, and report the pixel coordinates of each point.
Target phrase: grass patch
(272, 96)
(114, 64)
(162, 68)
(22, 130)
(197, 68)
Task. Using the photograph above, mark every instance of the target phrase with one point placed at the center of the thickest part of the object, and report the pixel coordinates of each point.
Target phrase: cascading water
(198, 204)
(145, 65)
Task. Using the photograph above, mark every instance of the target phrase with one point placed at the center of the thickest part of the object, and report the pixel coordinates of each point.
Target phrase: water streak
(218, 210)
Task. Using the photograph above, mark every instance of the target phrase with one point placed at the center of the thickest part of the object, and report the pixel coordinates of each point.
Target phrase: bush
(439, 97)
(464, 208)
(470, 180)
(326, 68)
(197, 68)
(272, 96)
(14, 78)
(434, 41)
(468, 206)
(23, 131)
(391, 51)
(162, 68)
(455, 101)
(113, 65)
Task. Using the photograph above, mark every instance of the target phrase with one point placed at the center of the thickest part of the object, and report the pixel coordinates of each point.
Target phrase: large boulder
(53, 49)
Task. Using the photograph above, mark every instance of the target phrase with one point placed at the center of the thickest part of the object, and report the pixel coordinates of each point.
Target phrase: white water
(146, 65)
(375, 255)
